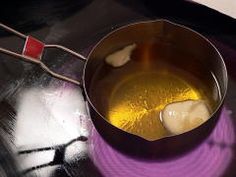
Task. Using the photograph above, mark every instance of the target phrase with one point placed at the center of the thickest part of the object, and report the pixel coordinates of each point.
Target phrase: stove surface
(45, 120)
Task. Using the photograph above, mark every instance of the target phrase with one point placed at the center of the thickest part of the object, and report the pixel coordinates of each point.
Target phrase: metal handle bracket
(33, 52)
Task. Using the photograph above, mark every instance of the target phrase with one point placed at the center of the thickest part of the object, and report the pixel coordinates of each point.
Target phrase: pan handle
(33, 50)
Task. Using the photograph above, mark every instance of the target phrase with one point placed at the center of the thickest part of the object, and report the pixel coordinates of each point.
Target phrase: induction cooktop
(45, 120)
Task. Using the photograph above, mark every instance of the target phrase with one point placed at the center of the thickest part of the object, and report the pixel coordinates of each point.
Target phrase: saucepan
(158, 41)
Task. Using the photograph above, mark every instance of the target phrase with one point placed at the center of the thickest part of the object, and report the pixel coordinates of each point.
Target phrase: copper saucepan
(206, 60)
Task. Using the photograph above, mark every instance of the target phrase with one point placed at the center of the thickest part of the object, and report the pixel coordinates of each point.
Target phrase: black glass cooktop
(44, 120)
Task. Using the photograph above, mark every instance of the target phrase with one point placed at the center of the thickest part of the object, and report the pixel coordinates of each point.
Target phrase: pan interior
(131, 97)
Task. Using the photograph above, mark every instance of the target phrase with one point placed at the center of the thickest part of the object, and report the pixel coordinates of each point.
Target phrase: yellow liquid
(131, 97)
(136, 102)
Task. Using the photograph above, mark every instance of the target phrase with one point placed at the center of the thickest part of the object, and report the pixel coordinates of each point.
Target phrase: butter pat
(120, 57)
(183, 116)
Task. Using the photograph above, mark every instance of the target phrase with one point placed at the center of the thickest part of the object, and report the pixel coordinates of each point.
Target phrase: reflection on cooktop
(51, 127)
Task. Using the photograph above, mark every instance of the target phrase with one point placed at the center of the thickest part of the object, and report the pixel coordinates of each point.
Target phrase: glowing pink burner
(210, 159)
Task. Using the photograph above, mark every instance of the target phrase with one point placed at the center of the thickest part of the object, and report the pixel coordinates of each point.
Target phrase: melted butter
(135, 103)
(131, 97)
